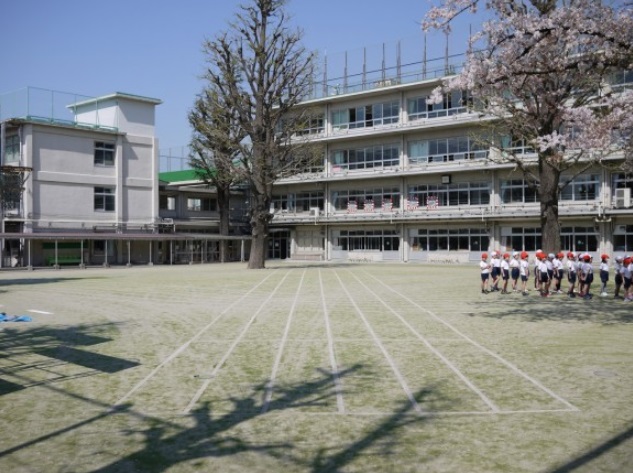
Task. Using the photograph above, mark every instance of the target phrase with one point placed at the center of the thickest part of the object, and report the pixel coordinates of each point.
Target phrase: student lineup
(549, 272)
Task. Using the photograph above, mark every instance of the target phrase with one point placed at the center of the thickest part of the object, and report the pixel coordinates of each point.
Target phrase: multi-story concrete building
(92, 173)
(405, 180)
(90, 191)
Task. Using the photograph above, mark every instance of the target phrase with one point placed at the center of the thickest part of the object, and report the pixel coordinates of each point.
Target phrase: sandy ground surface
(308, 368)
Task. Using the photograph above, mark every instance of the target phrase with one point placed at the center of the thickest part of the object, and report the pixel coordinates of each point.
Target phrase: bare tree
(260, 71)
(215, 153)
(543, 76)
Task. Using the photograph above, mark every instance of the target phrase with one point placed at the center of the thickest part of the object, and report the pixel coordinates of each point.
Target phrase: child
(617, 270)
(514, 270)
(549, 268)
(586, 277)
(543, 275)
(485, 273)
(571, 273)
(626, 275)
(505, 272)
(604, 274)
(558, 270)
(495, 264)
(524, 270)
(537, 272)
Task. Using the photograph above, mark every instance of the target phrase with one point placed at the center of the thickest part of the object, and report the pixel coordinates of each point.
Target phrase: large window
(201, 204)
(366, 158)
(454, 102)
(381, 197)
(519, 238)
(518, 191)
(623, 238)
(312, 125)
(104, 199)
(463, 193)
(359, 240)
(515, 146)
(167, 202)
(471, 239)
(104, 153)
(444, 150)
(579, 239)
(12, 149)
(377, 114)
(584, 187)
(307, 200)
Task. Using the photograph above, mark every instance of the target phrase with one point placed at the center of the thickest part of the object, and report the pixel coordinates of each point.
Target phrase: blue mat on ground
(15, 318)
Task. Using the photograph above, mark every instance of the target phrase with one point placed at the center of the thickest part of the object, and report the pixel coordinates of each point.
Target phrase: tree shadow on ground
(34, 281)
(214, 436)
(559, 307)
(55, 345)
(600, 450)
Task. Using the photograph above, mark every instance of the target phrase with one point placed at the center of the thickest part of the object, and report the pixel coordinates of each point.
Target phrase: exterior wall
(498, 222)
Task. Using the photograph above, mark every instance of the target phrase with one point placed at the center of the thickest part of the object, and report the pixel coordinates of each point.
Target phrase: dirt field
(308, 368)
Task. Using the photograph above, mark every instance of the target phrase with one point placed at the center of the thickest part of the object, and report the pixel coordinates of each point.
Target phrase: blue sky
(153, 47)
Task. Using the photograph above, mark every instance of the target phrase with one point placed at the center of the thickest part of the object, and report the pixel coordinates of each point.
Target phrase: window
(104, 153)
(312, 126)
(517, 191)
(528, 239)
(201, 204)
(584, 187)
(579, 238)
(455, 194)
(623, 238)
(104, 199)
(167, 202)
(378, 240)
(453, 103)
(306, 200)
(444, 150)
(367, 158)
(382, 113)
(12, 149)
(376, 196)
(466, 239)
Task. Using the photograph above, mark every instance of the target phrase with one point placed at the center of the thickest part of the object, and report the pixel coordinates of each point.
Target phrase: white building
(404, 180)
(94, 171)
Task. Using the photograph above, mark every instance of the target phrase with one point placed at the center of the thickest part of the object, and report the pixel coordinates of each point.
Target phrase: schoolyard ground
(308, 368)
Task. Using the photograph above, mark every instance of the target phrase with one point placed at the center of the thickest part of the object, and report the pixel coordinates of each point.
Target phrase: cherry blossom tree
(549, 74)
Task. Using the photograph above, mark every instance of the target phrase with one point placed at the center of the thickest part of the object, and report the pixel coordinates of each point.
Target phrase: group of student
(549, 272)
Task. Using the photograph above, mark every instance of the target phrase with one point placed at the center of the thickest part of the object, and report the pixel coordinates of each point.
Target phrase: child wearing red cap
(505, 272)
(572, 268)
(617, 270)
(604, 274)
(515, 270)
(524, 269)
(485, 273)
(586, 277)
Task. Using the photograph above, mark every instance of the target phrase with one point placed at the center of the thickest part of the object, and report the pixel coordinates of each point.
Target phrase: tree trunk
(224, 195)
(260, 218)
(549, 178)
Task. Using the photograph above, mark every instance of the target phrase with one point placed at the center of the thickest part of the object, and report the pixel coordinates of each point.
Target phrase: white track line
(182, 348)
(481, 347)
(35, 311)
(390, 360)
(229, 352)
(268, 393)
(330, 345)
(446, 361)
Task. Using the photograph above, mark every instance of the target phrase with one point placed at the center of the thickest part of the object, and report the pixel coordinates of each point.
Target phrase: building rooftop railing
(46, 106)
